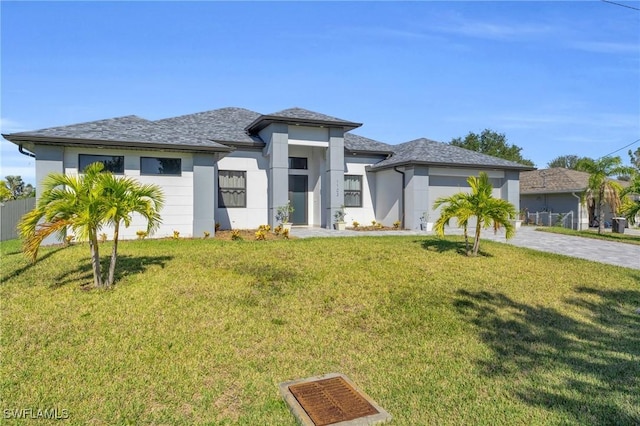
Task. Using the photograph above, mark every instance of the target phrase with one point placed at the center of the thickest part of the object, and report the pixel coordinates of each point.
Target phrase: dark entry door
(298, 199)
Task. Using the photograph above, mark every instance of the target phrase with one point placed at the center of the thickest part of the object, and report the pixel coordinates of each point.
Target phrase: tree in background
(567, 161)
(602, 188)
(488, 211)
(491, 143)
(13, 187)
(631, 207)
(635, 158)
(5, 192)
(84, 204)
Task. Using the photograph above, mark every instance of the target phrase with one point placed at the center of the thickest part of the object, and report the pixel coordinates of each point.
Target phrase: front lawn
(202, 332)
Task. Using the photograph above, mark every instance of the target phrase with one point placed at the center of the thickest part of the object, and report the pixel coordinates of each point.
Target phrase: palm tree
(124, 197)
(632, 208)
(85, 204)
(73, 202)
(488, 211)
(601, 188)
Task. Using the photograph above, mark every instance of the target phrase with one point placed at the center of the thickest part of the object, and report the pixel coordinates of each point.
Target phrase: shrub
(141, 234)
(396, 224)
(285, 234)
(356, 224)
(261, 235)
(265, 228)
(207, 234)
(217, 228)
(277, 230)
(235, 235)
(176, 234)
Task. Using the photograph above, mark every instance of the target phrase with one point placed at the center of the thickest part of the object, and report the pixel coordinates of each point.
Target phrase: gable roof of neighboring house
(119, 132)
(555, 180)
(428, 152)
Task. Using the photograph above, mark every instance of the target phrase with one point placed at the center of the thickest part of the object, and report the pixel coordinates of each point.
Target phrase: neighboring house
(235, 167)
(559, 190)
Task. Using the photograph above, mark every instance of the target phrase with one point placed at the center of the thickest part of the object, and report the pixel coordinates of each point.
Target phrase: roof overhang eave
(454, 165)
(96, 143)
(265, 120)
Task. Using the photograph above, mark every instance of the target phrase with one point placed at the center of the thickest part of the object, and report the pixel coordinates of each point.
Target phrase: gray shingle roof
(122, 130)
(221, 125)
(425, 151)
(555, 180)
(357, 143)
(299, 116)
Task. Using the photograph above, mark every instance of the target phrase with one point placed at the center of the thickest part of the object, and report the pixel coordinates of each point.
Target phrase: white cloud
(606, 47)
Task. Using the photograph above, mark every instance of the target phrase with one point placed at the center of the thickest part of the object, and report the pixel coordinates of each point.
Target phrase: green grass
(202, 332)
(607, 235)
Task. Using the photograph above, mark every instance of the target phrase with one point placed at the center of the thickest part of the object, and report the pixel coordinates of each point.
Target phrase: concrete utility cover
(331, 399)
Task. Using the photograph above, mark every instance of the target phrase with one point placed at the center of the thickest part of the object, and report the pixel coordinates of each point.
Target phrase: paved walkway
(610, 252)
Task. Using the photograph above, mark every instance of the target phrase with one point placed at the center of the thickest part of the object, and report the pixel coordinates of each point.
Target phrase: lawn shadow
(583, 366)
(440, 245)
(30, 265)
(127, 265)
(270, 279)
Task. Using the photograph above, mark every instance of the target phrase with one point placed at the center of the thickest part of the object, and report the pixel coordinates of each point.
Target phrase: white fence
(10, 214)
(564, 220)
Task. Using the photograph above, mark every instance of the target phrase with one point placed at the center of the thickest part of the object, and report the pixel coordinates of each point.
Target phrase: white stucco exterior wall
(356, 165)
(177, 213)
(256, 212)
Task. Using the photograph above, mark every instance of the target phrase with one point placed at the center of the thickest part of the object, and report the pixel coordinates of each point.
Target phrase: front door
(298, 199)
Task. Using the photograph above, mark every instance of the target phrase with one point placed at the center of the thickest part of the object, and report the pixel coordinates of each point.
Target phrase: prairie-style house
(235, 167)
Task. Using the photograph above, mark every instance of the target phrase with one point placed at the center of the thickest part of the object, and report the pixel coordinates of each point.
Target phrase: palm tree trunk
(476, 242)
(601, 210)
(466, 241)
(114, 255)
(95, 259)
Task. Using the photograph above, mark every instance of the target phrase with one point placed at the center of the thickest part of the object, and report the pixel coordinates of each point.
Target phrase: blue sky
(556, 77)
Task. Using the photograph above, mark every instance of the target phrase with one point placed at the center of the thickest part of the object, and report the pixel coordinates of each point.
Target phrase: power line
(620, 4)
(626, 146)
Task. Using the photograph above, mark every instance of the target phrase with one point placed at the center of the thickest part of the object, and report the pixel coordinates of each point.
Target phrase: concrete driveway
(613, 253)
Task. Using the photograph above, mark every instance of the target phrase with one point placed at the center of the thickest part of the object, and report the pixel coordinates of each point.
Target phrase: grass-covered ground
(628, 238)
(202, 332)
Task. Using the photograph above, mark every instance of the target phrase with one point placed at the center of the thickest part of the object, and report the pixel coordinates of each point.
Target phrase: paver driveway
(610, 252)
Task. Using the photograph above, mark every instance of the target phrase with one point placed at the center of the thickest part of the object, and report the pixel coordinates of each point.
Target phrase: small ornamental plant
(340, 214)
(285, 234)
(235, 235)
(103, 237)
(68, 239)
(206, 234)
(141, 234)
(278, 230)
(283, 213)
(176, 235)
(355, 224)
(261, 235)
(217, 226)
(396, 224)
(265, 228)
